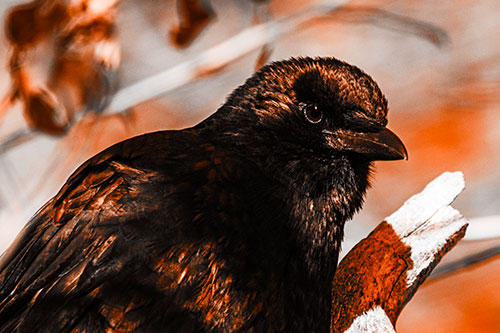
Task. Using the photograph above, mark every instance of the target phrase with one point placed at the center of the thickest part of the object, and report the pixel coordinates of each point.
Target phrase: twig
(393, 21)
(18, 138)
(210, 60)
(468, 261)
(484, 227)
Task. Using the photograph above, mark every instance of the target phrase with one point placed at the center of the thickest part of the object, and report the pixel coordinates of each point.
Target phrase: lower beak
(377, 146)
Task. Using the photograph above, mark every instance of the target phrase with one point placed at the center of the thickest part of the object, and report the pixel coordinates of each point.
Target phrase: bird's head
(317, 123)
(313, 127)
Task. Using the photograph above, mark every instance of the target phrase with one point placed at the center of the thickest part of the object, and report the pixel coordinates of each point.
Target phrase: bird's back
(164, 231)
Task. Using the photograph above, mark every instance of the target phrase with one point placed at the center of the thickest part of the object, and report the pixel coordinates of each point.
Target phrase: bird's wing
(93, 231)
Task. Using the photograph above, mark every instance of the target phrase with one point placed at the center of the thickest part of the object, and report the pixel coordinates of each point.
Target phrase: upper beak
(377, 146)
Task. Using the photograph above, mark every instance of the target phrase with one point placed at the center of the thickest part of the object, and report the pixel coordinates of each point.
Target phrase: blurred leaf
(44, 112)
(194, 17)
(28, 23)
(263, 58)
(63, 56)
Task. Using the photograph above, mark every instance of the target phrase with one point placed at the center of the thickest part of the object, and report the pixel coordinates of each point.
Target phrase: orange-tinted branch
(383, 271)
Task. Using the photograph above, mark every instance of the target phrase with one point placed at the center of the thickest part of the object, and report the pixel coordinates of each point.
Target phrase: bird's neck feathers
(315, 212)
(320, 209)
(318, 193)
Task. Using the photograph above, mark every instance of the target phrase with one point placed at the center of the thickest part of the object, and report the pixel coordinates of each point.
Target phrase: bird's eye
(312, 113)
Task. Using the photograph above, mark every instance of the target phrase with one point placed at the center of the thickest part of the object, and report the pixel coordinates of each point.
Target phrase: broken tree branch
(383, 271)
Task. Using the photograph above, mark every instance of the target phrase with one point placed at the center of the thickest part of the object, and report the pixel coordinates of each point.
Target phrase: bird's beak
(377, 146)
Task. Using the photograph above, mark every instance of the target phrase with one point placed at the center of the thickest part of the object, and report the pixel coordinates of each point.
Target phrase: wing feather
(46, 263)
(102, 254)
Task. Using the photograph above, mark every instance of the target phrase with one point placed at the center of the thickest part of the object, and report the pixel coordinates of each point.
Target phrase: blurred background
(77, 76)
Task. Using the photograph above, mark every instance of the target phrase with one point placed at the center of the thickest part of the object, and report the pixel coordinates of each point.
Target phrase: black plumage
(233, 224)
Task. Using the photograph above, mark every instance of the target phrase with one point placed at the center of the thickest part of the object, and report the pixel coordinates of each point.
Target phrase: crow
(234, 224)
